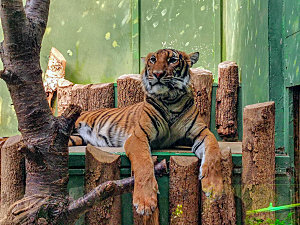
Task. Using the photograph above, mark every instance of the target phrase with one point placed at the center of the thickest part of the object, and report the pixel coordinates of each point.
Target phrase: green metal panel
(283, 180)
(275, 69)
(245, 28)
(76, 187)
(291, 42)
(94, 36)
(190, 25)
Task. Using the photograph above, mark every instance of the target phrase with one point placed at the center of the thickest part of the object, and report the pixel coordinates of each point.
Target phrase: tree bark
(100, 167)
(13, 173)
(130, 90)
(226, 100)
(221, 211)
(80, 96)
(202, 81)
(258, 158)
(184, 190)
(101, 96)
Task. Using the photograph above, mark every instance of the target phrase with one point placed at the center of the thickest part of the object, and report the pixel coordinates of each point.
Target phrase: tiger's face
(167, 72)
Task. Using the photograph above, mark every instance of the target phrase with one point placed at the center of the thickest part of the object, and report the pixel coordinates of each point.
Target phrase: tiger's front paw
(145, 195)
(212, 181)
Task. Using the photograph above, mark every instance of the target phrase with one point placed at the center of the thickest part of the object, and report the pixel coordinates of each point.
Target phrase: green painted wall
(190, 25)
(245, 33)
(291, 41)
(103, 39)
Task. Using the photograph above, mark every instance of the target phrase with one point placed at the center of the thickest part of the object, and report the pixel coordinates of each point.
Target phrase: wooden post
(130, 90)
(226, 100)
(258, 158)
(55, 71)
(12, 173)
(221, 211)
(89, 97)
(2, 141)
(202, 81)
(146, 220)
(101, 96)
(80, 96)
(64, 95)
(184, 190)
(100, 167)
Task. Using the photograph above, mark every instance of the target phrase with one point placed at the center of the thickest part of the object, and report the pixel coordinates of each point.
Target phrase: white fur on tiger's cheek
(199, 150)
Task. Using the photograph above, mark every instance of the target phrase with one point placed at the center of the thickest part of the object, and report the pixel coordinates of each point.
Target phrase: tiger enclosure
(64, 58)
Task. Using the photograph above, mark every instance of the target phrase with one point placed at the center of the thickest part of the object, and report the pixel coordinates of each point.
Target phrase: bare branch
(13, 20)
(106, 190)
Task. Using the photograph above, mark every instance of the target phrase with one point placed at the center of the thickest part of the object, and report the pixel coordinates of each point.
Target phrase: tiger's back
(106, 127)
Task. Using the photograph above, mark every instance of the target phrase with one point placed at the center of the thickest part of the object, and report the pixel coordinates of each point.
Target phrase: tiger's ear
(143, 60)
(194, 57)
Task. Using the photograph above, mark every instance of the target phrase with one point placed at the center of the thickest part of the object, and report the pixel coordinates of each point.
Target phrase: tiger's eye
(172, 60)
(153, 59)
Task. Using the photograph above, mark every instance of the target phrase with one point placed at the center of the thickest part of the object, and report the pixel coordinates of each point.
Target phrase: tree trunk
(221, 211)
(226, 100)
(202, 81)
(13, 173)
(100, 167)
(258, 151)
(130, 90)
(184, 190)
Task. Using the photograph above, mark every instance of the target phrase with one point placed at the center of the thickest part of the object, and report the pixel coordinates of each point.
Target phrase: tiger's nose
(158, 73)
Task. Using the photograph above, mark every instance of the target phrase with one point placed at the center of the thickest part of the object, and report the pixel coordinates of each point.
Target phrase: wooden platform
(236, 148)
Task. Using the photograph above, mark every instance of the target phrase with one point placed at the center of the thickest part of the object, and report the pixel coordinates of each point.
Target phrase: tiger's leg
(145, 185)
(207, 149)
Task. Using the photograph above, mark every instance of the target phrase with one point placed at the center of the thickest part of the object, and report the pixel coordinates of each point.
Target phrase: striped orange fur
(166, 117)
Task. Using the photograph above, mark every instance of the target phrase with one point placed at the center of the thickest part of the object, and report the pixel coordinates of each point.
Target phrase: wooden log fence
(226, 100)
(187, 204)
(258, 159)
(100, 167)
(12, 173)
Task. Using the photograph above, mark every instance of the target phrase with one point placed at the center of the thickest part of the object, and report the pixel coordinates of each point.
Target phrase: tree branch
(13, 20)
(37, 11)
(106, 190)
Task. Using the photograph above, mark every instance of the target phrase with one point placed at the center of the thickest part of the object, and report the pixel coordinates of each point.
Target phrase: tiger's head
(166, 72)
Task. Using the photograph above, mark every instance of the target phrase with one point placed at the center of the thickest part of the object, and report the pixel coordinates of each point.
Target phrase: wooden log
(64, 95)
(55, 71)
(2, 141)
(80, 96)
(202, 81)
(12, 173)
(101, 96)
(130, 90)
(226, 100)
(258, 159)
(146, 220)
(184, 190)
(100, 167)
(221, 211)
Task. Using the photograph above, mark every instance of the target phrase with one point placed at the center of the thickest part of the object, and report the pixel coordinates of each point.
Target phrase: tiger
(166, 117)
